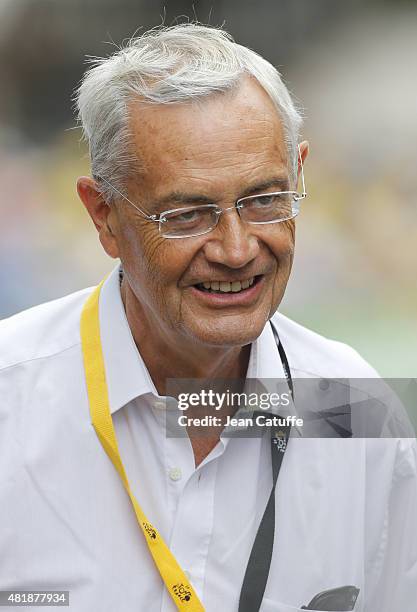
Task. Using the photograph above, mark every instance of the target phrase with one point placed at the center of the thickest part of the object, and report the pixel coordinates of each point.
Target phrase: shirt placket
(190, 494)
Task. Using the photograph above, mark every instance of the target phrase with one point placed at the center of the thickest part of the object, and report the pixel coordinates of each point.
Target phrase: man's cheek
(290, 227)
(145, 252)
(152, 249)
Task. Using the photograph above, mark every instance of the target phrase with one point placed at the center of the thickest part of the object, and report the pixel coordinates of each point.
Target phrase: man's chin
(227, 333)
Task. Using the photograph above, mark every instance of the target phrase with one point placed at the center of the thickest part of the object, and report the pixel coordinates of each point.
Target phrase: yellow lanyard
(182, 593)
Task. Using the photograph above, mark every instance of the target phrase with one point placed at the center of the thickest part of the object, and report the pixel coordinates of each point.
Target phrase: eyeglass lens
(267, 208)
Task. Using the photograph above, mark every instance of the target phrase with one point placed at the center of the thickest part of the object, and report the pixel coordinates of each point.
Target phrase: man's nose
(233, 242)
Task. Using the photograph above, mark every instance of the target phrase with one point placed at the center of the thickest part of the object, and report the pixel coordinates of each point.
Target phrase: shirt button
(175, 473)
(159, 404)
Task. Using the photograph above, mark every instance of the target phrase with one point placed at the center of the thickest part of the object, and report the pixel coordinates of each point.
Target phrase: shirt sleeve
(396, 588)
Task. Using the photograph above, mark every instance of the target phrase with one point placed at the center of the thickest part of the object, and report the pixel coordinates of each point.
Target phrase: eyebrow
(182, 198)
(276, 181)
(178, 197)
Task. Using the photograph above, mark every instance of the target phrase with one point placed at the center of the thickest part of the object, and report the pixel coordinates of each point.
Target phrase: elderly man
(197, 176)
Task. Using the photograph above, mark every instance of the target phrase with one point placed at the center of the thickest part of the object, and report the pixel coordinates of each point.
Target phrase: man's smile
(227, 293)
(226, 286)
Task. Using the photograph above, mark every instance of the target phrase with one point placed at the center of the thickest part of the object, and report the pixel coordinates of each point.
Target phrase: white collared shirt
(346, 509)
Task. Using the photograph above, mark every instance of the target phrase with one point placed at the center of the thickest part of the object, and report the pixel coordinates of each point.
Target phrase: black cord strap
(257, 570)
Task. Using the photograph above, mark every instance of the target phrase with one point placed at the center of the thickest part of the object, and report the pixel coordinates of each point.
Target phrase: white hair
(167, 65)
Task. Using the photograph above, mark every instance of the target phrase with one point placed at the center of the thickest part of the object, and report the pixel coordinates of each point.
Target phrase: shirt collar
(265, 362)
(126, 373)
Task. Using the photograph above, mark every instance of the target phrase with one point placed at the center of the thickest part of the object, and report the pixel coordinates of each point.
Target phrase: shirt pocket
(271, 605)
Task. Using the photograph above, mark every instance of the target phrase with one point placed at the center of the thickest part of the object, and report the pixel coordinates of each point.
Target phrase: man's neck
(175, 360)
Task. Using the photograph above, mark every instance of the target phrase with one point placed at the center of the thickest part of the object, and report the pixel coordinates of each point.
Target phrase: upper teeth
(226, 286)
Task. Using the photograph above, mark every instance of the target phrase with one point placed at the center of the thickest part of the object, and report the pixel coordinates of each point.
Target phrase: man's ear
(303, 152)
(100, 212)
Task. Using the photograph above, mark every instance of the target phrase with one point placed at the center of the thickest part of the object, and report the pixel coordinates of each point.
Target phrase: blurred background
(352, 66)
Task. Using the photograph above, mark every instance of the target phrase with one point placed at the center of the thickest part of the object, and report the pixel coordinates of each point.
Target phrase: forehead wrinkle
(199, 166)
(226, 159)
(206, 157)
(247, 141)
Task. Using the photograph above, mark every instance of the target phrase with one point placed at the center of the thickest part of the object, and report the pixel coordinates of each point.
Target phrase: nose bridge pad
(235, 232)
(233, 245)
(219, 213)
(236, 207)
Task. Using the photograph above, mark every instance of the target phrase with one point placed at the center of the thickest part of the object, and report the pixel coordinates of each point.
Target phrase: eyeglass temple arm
(145, 214)
(303, 185)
